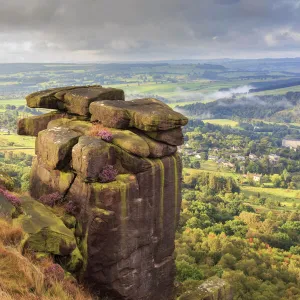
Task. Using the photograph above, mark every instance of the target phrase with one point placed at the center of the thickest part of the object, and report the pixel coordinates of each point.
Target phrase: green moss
(41, 255)
(75, 261)
(69, 221)
(83, 247)
(45, 232)
(100, 211)
(176, 187)
(123, 196)
(130, 142)
(65, 180)
(152, 175)
(162, 191)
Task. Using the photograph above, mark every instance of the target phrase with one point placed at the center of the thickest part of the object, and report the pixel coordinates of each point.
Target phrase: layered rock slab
(33, 125)
(74, 100)
(172, 137)
(146, 114)
(54, 146)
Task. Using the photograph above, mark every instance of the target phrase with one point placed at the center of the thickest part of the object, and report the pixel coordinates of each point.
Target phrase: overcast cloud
(119, 30)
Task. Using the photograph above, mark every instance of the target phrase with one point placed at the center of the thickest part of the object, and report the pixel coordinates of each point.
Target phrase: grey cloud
(141, 30)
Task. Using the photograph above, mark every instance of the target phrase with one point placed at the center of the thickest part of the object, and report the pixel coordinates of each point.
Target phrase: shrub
(108, 174)
(187, 271)
(14, 200)
(105, 135)
(51, 199)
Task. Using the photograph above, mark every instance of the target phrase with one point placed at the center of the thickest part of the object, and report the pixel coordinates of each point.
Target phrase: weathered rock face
(122, 177)
(212, 289)
(146, 114)
(74, 100)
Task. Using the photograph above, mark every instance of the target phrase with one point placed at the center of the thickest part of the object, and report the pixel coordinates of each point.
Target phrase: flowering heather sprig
(108, 174)
(51, 199)
(15, 201)
(105, 135)
(54, 272)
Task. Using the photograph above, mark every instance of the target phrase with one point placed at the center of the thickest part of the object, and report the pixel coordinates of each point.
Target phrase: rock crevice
(116, 163)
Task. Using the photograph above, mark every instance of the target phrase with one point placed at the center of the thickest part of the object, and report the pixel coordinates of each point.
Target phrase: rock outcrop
(115, 164)
(212, 289)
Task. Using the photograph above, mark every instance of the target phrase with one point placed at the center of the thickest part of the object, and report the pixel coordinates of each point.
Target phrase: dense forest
(220, 235)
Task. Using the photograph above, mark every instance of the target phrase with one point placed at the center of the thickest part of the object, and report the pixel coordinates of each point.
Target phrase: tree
(276, 180)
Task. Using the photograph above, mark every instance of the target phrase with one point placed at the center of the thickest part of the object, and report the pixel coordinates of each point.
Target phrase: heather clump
(51, 199)
(105, 135)
(14, 200)
(108, 174)
(54, 272)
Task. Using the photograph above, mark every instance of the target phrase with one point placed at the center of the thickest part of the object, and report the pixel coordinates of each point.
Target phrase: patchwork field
(285, 196)
(222, 122)
(17, 143)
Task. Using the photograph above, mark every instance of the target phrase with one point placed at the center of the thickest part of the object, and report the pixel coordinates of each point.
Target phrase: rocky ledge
(115, 167)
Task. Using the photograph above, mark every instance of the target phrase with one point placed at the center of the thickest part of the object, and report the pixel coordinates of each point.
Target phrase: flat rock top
(107, 105)
(75, 100)
(147, 114)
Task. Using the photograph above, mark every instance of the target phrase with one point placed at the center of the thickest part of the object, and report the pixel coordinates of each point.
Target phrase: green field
(286, 197)
(16, 102)
(17, 143)
(278, 91)
(211, 166)
(222, 122)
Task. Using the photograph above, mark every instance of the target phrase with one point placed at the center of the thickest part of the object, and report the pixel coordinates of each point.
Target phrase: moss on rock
(146, 114)
(130, 142)
(44, 231)
(44, 181)
(33, 125)
(81, 126)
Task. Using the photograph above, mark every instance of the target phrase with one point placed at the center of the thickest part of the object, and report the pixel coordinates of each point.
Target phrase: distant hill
(278, 108)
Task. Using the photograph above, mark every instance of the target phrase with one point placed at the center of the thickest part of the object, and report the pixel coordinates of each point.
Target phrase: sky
(140, 30)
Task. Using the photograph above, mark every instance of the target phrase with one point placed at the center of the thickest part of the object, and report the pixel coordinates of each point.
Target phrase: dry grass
(10, 235)
(95, 129)
(22, 276)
